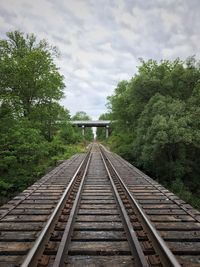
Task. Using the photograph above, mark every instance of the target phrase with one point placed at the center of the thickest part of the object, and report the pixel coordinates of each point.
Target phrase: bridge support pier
(107, 131)
(83, 129)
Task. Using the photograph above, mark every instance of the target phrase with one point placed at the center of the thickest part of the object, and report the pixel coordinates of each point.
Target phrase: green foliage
(82, 116)
(4, 188)
(35, 131)
(21, 149)
(68, 134)
(156, 122)
(49, 118)
(101, 131)
(161, 133)
(71, 150)
(179, 188)
(28, 75)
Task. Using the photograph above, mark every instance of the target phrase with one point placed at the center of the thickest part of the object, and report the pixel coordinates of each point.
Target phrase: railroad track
(22, 218)
(106, 213)
(177, 222)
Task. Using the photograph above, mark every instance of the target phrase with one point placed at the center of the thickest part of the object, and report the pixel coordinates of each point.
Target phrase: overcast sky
(101, 40)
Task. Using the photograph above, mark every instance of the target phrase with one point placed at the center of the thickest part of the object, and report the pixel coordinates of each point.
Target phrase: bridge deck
(98, 234)
(92, 123)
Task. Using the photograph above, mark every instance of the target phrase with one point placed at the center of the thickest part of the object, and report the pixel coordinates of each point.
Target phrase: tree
(22, 148)
(28, 75)
(101, 131)
(162, 132)
(30, 84)
(82, 116)
(157, 124)
(123, 123)
(49, 118)
(31, 119)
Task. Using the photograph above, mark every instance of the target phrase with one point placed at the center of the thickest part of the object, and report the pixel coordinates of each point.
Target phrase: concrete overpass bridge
(83, 124)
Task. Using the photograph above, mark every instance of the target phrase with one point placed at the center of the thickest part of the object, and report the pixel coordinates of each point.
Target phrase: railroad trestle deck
(98, 210)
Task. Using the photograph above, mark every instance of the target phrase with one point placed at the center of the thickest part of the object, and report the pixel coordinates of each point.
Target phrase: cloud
(100, 41)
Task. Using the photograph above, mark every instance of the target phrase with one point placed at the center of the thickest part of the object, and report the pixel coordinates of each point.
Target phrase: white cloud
(101, 41)
(183, 50)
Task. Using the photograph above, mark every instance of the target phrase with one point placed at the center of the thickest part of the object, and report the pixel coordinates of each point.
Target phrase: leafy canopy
(156, 121)
(28, 74)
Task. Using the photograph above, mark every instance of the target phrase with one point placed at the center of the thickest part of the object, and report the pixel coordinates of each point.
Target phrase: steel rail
(35, 252)
(166, 256)
(63, 246)
(29, 194)
(136, 250)
(146, 177)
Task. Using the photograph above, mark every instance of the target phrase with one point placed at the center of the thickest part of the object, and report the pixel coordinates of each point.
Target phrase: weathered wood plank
(41, 197)
(18, 236)
(17, 226)
(171, 218)
(97, 211)
(95, 206)
(105, 186)
(14, 248)
(165, 211)
(162, 206)
(181, 235)
(147, 193)
(155, 201)
(30, 212)
(23, 218)
(184, 248)
(189, 260)
(95, 190)
(99, 225)
(153, 197)
(101, 248)
(11, 261)
(31, 206)
(189, 226)
(37, 201)
(106, 261)
(97, 201)
(96, 197)
(98, 218)
(99, 235)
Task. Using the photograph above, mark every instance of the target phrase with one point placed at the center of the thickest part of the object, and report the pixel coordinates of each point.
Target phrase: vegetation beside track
(156, 124)
(35, 130)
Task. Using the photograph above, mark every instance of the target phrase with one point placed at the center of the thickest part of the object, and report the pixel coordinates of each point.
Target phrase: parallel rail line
(176, 221)
(187, 208)
(103, 213)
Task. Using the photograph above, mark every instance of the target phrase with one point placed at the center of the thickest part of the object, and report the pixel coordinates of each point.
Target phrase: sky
(101, 41)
